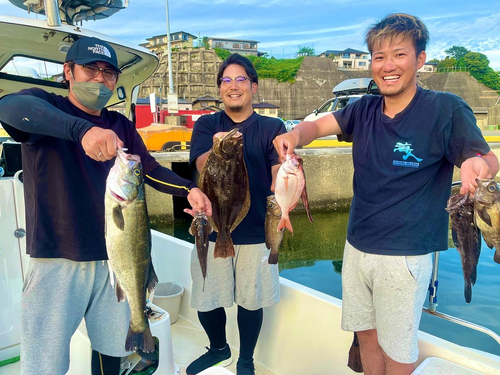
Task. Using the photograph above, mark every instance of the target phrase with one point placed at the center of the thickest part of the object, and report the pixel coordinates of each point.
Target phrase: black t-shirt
(64, 188)
(260, 155)
(403, 169)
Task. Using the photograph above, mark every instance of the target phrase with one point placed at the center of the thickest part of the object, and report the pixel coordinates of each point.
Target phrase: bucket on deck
(168, 296)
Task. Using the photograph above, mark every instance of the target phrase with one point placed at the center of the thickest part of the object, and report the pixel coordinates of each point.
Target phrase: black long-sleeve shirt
(64, 188)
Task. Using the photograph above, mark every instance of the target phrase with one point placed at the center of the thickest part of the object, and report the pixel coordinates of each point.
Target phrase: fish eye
(459, 215)
(204, 222)
(137, 172)
(492, 188)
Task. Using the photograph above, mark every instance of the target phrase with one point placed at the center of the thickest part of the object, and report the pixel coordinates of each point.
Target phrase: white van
(346, 92)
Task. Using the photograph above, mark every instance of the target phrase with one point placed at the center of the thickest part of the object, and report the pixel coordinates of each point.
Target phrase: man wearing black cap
(67, 147)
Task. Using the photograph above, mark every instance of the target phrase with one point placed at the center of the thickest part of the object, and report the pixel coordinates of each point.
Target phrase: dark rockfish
(466, 237)
(224, 180)
(273, 237)
(201, 229)
(487, 213)
(128, 243)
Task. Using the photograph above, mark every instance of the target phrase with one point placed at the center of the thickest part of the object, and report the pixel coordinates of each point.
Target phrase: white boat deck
(188, 342)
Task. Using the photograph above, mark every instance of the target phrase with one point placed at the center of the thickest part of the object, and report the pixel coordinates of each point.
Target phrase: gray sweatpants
(57, 294)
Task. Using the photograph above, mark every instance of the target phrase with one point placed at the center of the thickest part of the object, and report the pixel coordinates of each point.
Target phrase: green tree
(448, 62)
(479, 67)
(222, 53)
(306, 51)
(205, 42)
(457, 52)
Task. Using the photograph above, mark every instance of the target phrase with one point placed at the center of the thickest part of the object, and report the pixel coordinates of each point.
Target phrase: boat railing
(433, 288)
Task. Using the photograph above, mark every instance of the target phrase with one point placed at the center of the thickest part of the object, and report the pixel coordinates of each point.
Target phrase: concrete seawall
(328, 171)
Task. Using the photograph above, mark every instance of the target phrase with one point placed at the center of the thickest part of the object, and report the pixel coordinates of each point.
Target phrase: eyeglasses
(92, 71)
(239, 80)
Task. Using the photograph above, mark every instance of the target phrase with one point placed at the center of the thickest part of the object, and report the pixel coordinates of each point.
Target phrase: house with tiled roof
(266, 109)
(349, 58)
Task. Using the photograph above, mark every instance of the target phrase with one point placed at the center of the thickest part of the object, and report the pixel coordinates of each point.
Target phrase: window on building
(358, 56)
(362, 63)
(246, 45)
(185, 37)
(272, 111)
(365, 57)
(219, 45)
(345, 55)
(236, 45)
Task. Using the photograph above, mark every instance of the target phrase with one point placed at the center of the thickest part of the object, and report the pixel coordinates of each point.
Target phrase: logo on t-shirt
(406, 149)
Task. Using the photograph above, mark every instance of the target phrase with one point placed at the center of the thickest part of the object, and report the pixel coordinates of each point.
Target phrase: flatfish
(466, 237)
(273, 237)
(224, 180)
(290, 185)
(487, 213)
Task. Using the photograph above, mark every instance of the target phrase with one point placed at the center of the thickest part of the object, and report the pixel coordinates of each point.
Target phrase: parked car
(346, 92)
(290, 124)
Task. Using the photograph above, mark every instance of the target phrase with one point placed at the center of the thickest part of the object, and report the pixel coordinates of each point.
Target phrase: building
(207, 102)
(242, 46)
(349, 58)
(266, 109)
(159, 43)
(429, 67)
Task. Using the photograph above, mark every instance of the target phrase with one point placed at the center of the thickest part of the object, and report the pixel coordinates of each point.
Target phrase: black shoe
(245, 367)
(214, 357)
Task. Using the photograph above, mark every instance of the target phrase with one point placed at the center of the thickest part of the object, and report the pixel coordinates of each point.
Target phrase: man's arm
(304, 133)
(24, 115)
(201, 160)
(485, 166)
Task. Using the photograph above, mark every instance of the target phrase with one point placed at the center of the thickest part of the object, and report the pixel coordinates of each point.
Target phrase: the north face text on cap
(101, 50)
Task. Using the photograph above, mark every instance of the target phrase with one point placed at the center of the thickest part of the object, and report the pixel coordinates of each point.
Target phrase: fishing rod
(433, 288)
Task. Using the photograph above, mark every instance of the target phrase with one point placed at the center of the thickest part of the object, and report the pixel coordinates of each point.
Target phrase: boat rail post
(433, 285)
(52, 13)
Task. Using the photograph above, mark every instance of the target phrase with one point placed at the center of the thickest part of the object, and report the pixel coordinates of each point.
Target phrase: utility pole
(170, 79)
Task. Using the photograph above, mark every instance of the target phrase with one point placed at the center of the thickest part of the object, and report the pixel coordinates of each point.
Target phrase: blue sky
(281, 26)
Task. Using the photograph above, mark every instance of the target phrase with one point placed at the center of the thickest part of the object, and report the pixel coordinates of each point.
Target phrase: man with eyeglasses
(247, 279)
(68, 147)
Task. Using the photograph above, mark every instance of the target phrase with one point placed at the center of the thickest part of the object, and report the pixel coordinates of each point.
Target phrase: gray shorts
(385, 293)
(247, 279)
(57, 294)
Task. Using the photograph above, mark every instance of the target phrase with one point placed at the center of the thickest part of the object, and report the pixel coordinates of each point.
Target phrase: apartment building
(244, 47)
(349, 58)
(159, 43)
(266, 109)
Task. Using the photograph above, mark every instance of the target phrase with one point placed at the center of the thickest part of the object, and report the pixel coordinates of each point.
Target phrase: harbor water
(313, 257)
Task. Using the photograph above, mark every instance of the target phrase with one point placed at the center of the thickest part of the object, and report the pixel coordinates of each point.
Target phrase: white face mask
(93, 95)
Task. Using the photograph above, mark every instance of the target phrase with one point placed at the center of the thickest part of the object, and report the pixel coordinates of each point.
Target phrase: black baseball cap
(89, 49)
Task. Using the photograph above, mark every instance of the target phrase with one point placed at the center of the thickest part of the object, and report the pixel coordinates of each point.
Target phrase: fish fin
(152, 279)
(305, 200)
(224, 247)
(454, 236)
(467, 292)
(244, 210)
(484, 216)
(496, 257)
(140, 340)
(111, 274)
(285, 223)
(473, 276)
(120, 293)
(273, 258)
(118, 218)
(212, 224)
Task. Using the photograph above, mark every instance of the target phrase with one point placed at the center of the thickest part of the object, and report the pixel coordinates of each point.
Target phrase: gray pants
(57, 294)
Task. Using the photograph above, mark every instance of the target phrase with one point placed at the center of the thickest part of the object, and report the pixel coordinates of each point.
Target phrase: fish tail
(496, 257)
(273, 258)
(224, 247)
(285, 223)
(467, 292)
(140, 340)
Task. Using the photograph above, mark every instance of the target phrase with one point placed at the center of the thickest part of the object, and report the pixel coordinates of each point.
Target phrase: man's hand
(477, 167)
(285, 144)
(101, 144)
(199, 202)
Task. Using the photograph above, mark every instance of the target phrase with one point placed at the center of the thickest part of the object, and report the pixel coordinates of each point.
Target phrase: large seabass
(224, 179)
(128, 243)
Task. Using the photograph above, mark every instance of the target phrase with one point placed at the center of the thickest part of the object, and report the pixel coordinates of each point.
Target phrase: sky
(283, 26)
